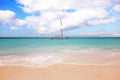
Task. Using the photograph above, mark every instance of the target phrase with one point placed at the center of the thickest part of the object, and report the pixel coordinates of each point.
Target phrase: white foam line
(41, 61)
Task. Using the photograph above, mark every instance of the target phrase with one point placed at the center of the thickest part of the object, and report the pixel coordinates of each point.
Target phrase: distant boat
(61, 36)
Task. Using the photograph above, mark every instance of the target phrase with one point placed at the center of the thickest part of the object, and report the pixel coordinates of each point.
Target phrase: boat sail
(61, 36)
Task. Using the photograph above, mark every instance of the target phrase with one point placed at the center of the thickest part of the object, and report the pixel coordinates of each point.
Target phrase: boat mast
(61, 28)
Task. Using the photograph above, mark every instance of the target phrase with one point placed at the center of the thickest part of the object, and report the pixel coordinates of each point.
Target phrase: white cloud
(116, 35)
(7, 16)
(15, 28)
(99, 34)
(49, 22)
(39, 5)
(92, 34)
(81, 16)
(117, 1)
(85, 12)
(117, 7)
(19, 22)
(101, 21)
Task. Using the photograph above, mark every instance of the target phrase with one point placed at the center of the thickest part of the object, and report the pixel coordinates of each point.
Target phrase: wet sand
(61, 72)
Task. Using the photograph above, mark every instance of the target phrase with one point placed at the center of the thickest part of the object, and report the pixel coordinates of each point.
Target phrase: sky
(41, 18)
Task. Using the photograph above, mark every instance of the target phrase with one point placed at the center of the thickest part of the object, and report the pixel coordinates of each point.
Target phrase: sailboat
(61, 36)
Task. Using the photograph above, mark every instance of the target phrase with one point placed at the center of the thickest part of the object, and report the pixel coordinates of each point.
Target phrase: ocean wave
(31, 60)
(83, 56)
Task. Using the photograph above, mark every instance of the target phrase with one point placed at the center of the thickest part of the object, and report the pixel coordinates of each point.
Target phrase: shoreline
(47, 66)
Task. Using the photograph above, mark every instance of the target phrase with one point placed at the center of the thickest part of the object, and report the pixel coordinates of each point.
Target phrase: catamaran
(61, 36)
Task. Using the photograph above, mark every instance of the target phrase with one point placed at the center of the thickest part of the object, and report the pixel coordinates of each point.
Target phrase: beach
(59, 39)
(67, 59)
(61, 72)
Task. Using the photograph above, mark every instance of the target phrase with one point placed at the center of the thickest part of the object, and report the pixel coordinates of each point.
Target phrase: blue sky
(31, 18)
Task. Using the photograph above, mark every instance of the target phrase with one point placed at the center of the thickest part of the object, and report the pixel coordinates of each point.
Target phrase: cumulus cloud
(49, 22)
(117, 7)
(19, 22)
(101, 21)
(74, 14)
(7, 16)
(40, 5)
(15, 28)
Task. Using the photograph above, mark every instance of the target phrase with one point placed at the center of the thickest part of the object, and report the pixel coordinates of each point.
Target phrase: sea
(42, 52)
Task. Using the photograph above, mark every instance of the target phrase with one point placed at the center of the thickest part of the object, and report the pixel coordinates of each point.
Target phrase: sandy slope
(61, 72)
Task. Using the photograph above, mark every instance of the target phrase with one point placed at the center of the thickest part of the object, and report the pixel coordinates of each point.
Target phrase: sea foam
(31, 60)
(82, 56)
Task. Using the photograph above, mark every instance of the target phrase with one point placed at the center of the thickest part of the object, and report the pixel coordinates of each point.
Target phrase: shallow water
(46, 51)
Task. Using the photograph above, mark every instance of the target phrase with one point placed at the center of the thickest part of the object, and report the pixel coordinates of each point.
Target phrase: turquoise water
(45, 51)
(47, 45)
